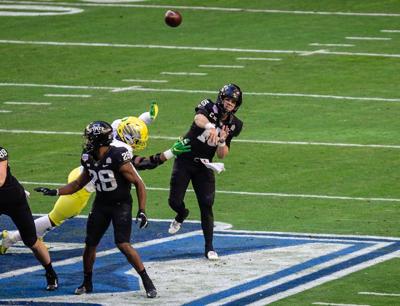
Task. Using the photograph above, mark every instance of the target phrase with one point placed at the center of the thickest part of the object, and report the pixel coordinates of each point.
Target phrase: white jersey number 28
(104, 180)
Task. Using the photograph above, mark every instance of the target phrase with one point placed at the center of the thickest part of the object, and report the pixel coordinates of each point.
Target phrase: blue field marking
(32, 303)
(313, 276)
(114, 275)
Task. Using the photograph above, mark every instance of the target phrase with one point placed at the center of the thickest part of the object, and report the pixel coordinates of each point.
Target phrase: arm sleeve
(3, 154)
(147, 163)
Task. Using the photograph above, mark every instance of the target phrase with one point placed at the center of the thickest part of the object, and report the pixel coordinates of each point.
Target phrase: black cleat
(84, 288)
(151, 291)
(52, 281)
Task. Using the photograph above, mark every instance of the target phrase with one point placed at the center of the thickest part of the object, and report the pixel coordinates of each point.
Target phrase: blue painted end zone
(110, 272)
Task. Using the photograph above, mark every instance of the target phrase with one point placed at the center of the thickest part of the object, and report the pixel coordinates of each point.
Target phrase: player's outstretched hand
(181, 146)
(47, 191)
(141, 216)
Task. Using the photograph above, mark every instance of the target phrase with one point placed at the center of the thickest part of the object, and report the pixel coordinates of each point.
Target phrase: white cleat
(212, 255)
(174, 227)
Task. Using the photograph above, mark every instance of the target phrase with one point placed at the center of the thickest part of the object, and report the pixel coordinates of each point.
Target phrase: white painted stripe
(145, 81)
(328, 278)
(276, 94)
(379, 293)
(234, 140)
(27, 103)
(362, 54)
(36, 10)
(304, 273)
(258, 59)
(222, 66)
(336, 304)
(316, 236)
(261, 194)
(5, 111)
(390, 31)
(58, 86)
(215, 49)
(99, 254)
(183, 73)
(126, 88)
(222, 9)
(66, 95)
(367, 38)
(314, 52)
(332, 45)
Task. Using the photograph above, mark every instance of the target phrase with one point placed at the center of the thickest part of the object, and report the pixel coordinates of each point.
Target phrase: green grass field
(325, 95)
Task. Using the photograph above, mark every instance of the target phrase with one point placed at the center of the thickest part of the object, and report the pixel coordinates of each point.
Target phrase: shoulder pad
(205, 104)
(121, 154)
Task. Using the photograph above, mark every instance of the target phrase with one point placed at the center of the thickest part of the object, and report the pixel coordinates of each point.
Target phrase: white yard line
(331, 45)
(258, 194)
(336, 304)
(214, 49)
(36, 10)
(380, 293)
(321, 51)
(390, 31)
(205, 8)
(26, 103)
(145, 81)
(183, 73)
(222, 66)
(258, 59)
(134, 88)
(303, 143)
(367, 38)
(5, 111)
(125, 88)
(67, 96)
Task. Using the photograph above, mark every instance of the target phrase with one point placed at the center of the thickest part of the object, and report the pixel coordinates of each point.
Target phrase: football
(173, 18)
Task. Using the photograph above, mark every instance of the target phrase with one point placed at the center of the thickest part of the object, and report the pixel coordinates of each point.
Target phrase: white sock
(13, 237)
(145, 117)
(43, 225)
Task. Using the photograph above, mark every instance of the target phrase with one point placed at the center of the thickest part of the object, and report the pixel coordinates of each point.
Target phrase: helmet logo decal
(97, 129)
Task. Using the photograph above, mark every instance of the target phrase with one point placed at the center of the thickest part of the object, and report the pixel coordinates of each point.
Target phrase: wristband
(168, 154)
(221, 144)
(209, 126)
(58, 192)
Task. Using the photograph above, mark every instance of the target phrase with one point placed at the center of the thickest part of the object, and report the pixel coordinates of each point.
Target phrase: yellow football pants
(69, 206)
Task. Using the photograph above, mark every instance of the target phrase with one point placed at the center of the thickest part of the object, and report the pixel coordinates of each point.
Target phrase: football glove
(181, 146)
(153, 110)
(47, 191)
(141, 216)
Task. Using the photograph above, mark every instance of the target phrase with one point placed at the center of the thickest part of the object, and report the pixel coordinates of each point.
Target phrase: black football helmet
(231, 91)
(96, 135)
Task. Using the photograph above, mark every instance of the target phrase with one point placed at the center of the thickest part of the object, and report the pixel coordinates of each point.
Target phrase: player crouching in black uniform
(13, 203)
(109, 167)
(211, 132)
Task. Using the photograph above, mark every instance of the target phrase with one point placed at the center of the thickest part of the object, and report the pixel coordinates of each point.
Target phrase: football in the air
(173, 18)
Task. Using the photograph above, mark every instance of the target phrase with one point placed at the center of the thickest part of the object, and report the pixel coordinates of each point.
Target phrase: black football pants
(203, 182)
(13, 203)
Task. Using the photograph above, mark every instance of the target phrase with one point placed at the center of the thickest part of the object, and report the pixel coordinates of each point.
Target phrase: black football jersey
(11, 181)
(199, 136)
(111, 186)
